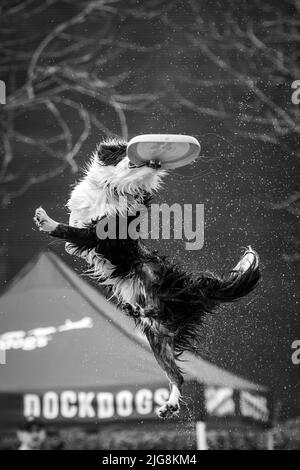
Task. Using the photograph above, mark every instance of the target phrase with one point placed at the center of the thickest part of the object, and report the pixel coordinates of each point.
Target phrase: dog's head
(111, 168)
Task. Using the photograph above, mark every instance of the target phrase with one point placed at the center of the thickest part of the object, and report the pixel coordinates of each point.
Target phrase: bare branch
(287, 204)
(8, 196)
(293, 258)
(79, 18)
(122, 118)
(65, 84)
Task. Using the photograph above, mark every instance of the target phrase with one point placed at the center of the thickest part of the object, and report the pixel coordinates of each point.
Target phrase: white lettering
(124, 403)
(143, 401)
(32, 405)
(50, 405)
(68, 402)
(105, 403)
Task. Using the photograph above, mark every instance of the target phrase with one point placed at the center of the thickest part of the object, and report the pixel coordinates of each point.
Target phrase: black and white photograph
(149, 227)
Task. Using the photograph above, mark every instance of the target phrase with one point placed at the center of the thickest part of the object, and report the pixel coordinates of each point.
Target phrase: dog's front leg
(43, 221)
(81, 237)
(162, 347)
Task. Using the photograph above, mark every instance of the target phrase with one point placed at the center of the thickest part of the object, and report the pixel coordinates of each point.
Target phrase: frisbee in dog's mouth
(162, 151)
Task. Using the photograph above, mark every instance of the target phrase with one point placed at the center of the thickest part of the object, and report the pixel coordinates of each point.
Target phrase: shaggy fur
(165, 302)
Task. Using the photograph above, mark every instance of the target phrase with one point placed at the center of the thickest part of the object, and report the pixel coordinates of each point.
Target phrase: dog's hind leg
(162, 347)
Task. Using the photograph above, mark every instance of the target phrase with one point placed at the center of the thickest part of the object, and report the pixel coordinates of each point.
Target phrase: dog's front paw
(43, 221)
(167, 411)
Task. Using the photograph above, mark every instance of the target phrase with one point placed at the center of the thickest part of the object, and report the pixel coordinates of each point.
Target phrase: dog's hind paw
(43, 221)
(250, 258)
(167, 411)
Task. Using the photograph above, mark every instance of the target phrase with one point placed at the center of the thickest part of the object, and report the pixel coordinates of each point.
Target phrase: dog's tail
(185, 301)
(239, 282)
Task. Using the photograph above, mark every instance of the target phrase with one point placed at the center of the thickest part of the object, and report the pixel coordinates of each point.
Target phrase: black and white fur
(165, 302)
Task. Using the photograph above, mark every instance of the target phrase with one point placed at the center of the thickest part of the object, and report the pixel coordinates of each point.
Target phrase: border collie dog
(167, 304)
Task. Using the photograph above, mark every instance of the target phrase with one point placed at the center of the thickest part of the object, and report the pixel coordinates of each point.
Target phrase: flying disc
(166, 151)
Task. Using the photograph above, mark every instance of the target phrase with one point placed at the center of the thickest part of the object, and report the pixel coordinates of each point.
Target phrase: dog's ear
(112, 151)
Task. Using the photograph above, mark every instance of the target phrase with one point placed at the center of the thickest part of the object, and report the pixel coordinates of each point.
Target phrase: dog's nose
(154, 164)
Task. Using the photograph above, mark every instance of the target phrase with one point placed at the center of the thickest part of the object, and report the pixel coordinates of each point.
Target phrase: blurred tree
(246, 60)
(61, 65)
(3, 263)
(219, 70)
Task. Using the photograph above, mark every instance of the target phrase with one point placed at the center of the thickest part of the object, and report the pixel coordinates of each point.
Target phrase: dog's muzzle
(154, 164)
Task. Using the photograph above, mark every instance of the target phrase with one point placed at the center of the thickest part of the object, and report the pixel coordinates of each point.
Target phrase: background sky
(220, 71)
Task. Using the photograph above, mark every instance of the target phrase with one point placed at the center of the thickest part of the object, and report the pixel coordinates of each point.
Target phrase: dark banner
(63, 407)
(95, 406)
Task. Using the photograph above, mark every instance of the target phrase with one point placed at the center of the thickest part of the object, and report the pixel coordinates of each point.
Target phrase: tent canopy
(60, 334)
